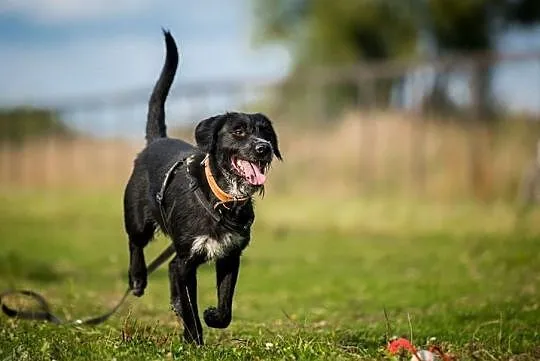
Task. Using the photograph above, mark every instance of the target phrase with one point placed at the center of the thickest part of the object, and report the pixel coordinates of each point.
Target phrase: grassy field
(314, 284)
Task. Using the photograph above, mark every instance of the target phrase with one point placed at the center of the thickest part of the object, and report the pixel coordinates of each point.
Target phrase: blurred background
(427, 100)
(410, 133)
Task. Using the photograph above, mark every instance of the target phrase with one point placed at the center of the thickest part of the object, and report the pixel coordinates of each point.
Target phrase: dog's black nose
(263, 148)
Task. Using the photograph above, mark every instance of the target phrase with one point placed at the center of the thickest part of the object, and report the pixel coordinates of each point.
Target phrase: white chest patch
(215, 248)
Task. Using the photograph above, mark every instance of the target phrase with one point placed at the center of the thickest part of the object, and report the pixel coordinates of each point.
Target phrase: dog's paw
(215, 319)
(137, 285)
(138, 288)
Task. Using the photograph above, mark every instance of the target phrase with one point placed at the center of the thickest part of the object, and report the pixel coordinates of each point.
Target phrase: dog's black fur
(196, 235)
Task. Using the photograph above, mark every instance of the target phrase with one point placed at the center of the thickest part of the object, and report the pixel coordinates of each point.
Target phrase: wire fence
(450, 127)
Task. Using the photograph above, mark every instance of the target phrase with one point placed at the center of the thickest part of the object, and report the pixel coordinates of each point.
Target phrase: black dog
(201, 197)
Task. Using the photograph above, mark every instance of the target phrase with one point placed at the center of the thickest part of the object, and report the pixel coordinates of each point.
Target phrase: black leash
(45, 313)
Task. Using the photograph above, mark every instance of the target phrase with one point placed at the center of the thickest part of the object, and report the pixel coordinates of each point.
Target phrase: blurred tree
(474, 25)
(321, 32)
(19, 124)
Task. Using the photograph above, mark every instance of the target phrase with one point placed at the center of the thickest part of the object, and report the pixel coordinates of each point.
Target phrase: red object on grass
(395, 346)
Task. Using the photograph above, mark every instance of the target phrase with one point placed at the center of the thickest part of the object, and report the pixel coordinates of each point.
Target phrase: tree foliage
(322, 32)
(336, 32)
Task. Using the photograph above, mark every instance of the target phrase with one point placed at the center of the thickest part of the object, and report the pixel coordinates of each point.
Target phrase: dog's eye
(239, 132)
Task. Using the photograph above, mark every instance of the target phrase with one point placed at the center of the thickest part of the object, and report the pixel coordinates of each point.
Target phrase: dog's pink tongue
(252, 172)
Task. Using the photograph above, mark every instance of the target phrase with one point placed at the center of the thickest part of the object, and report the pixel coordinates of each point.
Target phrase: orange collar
(220, 194)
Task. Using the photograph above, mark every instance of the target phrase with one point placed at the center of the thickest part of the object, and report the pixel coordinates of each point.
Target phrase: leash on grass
(45, 313)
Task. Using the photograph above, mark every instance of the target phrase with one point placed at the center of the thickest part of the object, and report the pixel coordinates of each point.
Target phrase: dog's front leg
(226, 276)
(183, 282)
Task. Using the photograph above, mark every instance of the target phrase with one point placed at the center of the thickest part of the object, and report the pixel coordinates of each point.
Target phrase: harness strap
(166, 180)
(160, 194)
(207, 207)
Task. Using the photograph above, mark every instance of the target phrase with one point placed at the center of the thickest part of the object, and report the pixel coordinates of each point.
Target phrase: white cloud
(60, 11)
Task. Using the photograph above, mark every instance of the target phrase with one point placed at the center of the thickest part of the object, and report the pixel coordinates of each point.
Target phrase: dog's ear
(206, 132)
(268, 130)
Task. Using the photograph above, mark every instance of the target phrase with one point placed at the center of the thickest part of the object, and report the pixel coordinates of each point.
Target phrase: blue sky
(52, 50)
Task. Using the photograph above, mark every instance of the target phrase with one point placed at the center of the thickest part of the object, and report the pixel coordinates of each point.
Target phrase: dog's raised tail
(155, 125)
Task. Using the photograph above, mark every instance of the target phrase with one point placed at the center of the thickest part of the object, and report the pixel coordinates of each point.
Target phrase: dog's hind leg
(139, 235)
(140, 230)
(137, 263)
(183, 283)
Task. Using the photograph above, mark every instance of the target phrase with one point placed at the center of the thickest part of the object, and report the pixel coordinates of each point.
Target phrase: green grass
(314, 283)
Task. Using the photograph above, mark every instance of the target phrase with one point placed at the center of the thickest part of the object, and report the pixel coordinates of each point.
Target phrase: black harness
(215, 212)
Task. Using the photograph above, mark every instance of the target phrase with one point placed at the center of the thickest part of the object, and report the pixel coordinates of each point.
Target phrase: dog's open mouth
(252, 172)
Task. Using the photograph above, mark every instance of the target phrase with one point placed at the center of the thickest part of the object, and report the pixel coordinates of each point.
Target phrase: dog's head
(242, 145)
